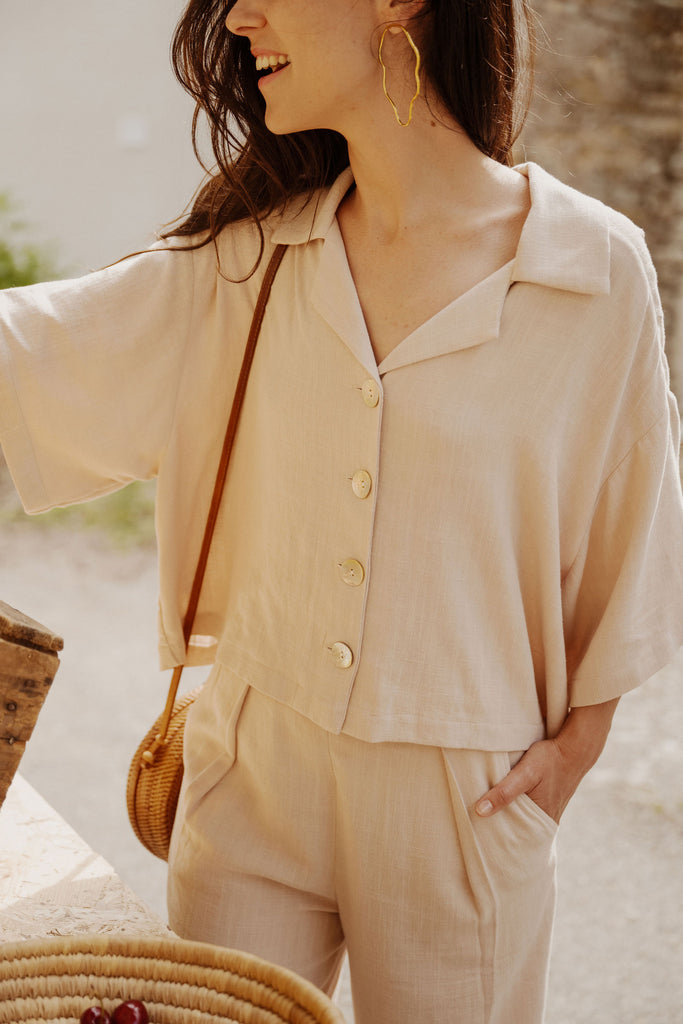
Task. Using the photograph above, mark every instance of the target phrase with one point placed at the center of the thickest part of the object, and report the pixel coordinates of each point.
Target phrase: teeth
(271, 62)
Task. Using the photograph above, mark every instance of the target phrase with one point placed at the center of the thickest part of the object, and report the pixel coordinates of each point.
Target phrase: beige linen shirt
(448, 548)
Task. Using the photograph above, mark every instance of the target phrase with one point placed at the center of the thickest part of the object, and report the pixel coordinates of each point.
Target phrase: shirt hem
(419, 729)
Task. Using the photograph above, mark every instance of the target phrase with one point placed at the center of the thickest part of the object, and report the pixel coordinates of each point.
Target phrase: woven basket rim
(203, 962)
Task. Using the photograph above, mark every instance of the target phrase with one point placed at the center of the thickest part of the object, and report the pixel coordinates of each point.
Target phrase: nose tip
(241, 22)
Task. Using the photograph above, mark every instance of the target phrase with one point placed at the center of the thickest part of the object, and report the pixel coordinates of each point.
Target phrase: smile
(270, 63)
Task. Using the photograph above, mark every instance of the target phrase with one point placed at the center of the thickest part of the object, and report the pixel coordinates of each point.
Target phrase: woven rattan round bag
(53, 981)
(155, 777)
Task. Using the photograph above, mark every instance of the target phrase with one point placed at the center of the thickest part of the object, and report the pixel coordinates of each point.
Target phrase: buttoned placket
(335, 299)
(352, 572)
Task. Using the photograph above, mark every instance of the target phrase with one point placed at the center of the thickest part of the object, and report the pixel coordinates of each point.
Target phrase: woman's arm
(551, 770)
(90, 370)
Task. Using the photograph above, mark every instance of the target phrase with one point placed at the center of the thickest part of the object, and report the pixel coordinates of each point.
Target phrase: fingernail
(485, 807)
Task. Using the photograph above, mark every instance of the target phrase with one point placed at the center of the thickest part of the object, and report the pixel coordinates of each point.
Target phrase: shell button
(342, 655)
(352, 572)
(361, 483)
(370, 391)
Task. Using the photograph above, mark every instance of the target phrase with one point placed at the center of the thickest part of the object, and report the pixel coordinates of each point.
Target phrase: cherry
(95, 1015)
(130, 1012)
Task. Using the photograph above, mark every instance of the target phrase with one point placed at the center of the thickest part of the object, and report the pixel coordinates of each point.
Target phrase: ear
(401, 11)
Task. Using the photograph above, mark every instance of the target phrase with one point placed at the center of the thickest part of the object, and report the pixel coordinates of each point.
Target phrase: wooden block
(28, 664)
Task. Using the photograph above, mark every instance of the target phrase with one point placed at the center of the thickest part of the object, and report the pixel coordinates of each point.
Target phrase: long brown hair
(476, 56)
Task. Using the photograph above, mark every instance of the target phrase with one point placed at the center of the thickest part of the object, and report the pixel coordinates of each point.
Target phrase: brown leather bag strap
(237, 401)
(221, 474)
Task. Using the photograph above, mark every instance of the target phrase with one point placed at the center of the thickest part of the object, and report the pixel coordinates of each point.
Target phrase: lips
(268, 76)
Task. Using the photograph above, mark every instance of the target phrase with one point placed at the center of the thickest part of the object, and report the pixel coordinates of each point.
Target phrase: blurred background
(95, 157)
(95, 146)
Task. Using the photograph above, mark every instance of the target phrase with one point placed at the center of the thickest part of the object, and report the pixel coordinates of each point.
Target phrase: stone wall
(608, 119)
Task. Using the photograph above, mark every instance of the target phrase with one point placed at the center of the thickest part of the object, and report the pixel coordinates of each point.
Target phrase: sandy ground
(618, 950)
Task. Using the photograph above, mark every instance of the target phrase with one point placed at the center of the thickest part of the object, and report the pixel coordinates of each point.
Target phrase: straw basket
(55, 980)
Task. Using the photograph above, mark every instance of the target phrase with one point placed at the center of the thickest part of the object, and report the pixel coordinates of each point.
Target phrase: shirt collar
(564, 243)
(565, 239)
(311, 217)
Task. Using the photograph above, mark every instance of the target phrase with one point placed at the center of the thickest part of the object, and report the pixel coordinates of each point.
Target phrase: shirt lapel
(335, 298)
(472, 319)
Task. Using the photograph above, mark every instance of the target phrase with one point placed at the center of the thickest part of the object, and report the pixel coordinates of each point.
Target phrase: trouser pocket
(509, 760)
(210, 742)
(510, 863)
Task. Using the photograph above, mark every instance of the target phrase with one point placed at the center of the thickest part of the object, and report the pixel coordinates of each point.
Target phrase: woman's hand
(551, 770)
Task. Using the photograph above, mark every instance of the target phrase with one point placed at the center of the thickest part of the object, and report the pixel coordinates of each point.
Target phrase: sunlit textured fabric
(520, 539)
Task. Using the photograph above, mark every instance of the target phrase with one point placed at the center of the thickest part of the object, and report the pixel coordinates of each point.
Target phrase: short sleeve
(623, 597)
(89, 373)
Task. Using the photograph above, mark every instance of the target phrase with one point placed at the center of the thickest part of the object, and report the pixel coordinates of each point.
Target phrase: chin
(277, 128)
(284, 125)
(286, 122)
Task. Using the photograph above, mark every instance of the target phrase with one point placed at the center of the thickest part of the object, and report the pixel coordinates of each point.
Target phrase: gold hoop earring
(403, 124)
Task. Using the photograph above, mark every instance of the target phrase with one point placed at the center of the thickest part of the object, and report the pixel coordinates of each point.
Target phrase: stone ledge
(53, 883)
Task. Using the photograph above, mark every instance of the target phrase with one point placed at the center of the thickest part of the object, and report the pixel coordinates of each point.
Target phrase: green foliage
(125, 518)
(20, 262)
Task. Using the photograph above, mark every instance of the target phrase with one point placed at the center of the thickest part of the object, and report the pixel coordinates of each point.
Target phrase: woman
(449, 537)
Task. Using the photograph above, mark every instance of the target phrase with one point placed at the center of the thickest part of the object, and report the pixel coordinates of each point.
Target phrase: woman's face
(331, 68)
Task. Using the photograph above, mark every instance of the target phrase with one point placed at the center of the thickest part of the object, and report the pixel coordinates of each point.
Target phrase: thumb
(519, 780)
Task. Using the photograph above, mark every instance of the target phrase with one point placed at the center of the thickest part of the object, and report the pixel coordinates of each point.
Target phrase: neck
(426, 173)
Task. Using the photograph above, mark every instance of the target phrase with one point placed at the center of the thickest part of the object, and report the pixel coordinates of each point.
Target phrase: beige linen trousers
(295, 844)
